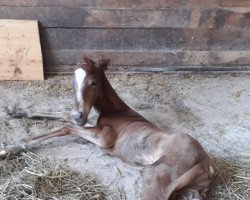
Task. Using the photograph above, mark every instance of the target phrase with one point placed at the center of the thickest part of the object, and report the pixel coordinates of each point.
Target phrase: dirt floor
(213, 109)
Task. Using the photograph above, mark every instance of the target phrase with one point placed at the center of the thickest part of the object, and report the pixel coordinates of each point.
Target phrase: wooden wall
(140, 35)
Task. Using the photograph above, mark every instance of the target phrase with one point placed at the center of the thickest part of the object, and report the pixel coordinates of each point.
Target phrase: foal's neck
(108, 101)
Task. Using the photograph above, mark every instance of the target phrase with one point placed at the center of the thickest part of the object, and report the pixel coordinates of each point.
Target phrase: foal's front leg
(27, 144)
(66, 116)
(102, 137)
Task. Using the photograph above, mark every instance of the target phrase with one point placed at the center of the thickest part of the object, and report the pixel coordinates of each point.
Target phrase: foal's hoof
(16, 112)
(10, 151)
(3, 154)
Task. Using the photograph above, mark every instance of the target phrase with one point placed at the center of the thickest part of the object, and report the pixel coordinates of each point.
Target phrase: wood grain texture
(151, 58)
(64, 16)
(235, 3)
(225, 18)
(74, 17)
(79, 17)
(20, 51)
(164, 39)
(137, 33)
(151, 4)
(45, 3)
(69, 69)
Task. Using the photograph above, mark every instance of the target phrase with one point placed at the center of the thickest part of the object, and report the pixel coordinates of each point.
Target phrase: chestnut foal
(174, 166)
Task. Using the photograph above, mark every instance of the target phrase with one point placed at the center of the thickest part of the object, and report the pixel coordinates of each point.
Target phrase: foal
(174, 166)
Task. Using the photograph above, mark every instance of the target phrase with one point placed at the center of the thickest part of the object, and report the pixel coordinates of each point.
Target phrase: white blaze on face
(80, 75)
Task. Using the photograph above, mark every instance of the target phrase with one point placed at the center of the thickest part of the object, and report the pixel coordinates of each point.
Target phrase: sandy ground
(213, 109)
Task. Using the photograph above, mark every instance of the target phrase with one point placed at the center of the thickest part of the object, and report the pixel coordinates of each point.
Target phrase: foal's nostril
(81, 114)
(79, 64)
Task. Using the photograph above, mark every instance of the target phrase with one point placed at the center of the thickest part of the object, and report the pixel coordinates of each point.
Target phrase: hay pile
(32, 178)
(232, 180)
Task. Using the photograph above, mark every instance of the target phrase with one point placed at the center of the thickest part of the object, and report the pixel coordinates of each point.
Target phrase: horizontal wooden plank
(156, 18)
(216, 58)
(145, 39)
(235, 3)
(84, 17)
(226, 19)
(151, 4)
(65, 17)
(47, 3)
(191, 4)
(151, 58)
(53, 38)
(122, 58)
(69, 69)
(129, 18)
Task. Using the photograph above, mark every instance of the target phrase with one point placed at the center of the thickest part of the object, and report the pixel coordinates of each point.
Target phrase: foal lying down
(174, 166)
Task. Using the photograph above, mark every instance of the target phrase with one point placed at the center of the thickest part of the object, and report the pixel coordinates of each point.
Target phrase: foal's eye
(94, 83)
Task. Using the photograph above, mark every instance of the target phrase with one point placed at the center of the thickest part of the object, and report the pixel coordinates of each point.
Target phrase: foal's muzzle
(78, 118)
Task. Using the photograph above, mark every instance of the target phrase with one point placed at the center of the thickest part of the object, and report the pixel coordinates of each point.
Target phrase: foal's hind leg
(104, 138)
(195, 181)
(156, 179)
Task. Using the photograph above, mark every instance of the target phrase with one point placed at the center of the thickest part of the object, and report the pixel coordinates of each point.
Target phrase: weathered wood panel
(235, 3)
(226, 19)
(146, 39)
(45, 3)
(65, 17)
(121, 58)
(137, 33)
(74, 17)
(152, 58)
(20, 51)
(109, 18)
(145, 18)
(69, 69)
(156, 4)
(110, 3)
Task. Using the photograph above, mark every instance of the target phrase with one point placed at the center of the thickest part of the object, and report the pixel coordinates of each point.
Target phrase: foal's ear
(88, 63)
(104, 64)
(85, 58)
